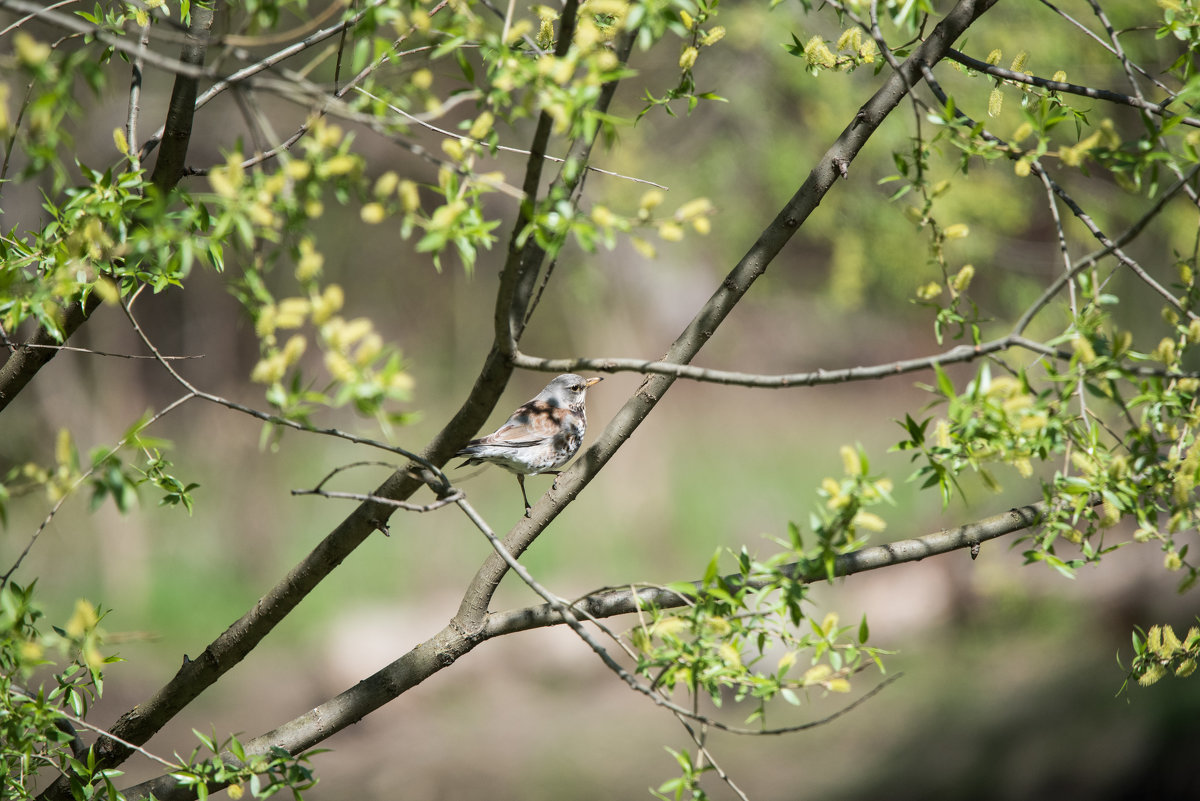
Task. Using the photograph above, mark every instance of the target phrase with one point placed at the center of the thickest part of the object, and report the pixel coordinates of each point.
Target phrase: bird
(540, 436)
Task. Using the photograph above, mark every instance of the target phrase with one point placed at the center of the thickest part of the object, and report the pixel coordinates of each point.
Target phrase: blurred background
(1011, 675)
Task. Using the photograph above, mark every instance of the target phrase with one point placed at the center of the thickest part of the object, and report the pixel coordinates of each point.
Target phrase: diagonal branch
(451, 643)
(834, 163)
(24, 362)
(144, 720)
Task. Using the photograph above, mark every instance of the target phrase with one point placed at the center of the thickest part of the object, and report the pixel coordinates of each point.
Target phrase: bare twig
(1097, 38)
(70, 491)
(454, 135)
(1064, 251)
(1071, 88)
(961, 353)
(80, 26)
(135, 97)
(1085, 262)
(22, 20)
(94, 352)
(452, 642)
(93, 728)
(453, 497)
(271, 418)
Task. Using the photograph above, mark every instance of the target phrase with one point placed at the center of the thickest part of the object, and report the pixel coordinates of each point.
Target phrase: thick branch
(833, 164)
(172, 156)
(144, 720)
(24, 362)
(444, 648)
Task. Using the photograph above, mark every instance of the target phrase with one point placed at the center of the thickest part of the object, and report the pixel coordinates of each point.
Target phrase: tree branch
(961, 353)
(833, 164)
(451, 643)
(172, 156)
(1070, 88)
(144, 720)
(23, 363)
(611, 602)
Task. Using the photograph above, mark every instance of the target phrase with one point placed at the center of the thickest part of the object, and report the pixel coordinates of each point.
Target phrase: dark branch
(572, 481)
(172, 156)
(24, 362)
(1070, 88)
(451, 643)
(608, 603)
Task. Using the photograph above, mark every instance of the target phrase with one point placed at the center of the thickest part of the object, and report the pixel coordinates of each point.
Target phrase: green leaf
(710, 573)
(944, 384)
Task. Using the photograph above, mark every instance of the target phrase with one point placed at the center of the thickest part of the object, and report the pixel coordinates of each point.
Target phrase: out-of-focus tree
(1095, 413)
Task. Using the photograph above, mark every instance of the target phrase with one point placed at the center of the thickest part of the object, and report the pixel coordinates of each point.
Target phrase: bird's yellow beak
(591, 381)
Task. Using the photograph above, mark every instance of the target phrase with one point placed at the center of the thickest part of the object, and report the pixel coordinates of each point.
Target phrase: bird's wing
(532, 424)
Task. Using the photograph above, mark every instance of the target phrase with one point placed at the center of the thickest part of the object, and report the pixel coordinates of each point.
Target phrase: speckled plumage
(540, 436)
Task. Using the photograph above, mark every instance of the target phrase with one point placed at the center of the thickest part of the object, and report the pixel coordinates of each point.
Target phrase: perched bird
(540, 436)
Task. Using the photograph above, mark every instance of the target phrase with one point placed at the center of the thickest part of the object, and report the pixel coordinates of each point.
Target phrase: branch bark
(442, 650)
(24, 362)
(172, 154)
(468, 628)
(609, 603)
(144, 720)
(834, 163)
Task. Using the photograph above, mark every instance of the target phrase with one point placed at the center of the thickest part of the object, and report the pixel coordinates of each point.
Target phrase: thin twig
(90, 727)
(70, 491)
(135, 97)
(1127, 236)
(271, 418)
(961, 353)
(568, 617)
(453, 135)
(1064, 251)
(18, 23)
(1072, 88)
(94, 352)
(455, 496)
(1100, 41)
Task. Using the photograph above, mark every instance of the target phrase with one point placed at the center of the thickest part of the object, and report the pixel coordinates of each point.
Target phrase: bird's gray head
(566, 390)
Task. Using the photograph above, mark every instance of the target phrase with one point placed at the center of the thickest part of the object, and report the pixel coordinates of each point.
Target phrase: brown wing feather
(530, 425)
